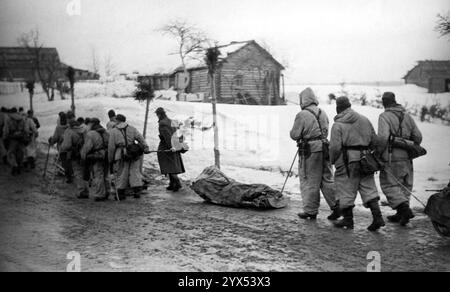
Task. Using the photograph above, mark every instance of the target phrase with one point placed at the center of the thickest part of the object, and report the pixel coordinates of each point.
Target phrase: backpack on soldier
(397, 141)
(18, 131)
(131, 152)
(325, 142)
(95, 154)
(76, 147)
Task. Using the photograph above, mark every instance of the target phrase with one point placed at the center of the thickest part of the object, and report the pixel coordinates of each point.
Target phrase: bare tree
(109, 66)
(192, 42)
(443, 24)
(95, 61)
(46, 66)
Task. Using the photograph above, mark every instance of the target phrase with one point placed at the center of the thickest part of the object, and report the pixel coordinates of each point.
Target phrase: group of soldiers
(353, 137)
(89, 154)
(18, 133)
(110, 159)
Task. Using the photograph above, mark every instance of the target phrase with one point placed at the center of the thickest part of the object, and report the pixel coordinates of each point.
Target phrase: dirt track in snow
(179, 232)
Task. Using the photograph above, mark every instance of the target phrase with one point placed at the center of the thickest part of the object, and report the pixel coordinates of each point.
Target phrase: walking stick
(46, 160)
(115, 183)
(289, 173)
(159, 151)
(405, 188)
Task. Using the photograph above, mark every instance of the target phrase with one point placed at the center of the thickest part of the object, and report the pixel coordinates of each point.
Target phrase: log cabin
(21, 64)
(433, 75)
(246, 74)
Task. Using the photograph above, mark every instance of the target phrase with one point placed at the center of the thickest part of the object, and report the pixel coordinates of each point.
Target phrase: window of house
(238, 81)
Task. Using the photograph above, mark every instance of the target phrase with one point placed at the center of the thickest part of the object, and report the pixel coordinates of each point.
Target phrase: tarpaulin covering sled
(438, 209)
(215, 187)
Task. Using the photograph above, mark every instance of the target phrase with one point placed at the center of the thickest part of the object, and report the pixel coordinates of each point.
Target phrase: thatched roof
(432, 68)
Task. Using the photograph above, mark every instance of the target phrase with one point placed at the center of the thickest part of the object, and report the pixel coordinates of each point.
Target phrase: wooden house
(433, 75)
(21, 64)
(246, 74)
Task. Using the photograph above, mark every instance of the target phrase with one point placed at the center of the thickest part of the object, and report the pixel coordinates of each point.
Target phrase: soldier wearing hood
(94, 153)
(73, 140)
(395, 122)
(310, 130)
(128, 172)
(351, 134)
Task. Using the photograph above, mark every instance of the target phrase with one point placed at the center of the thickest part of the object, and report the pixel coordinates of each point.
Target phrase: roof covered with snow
(433, 68)
(225, 50)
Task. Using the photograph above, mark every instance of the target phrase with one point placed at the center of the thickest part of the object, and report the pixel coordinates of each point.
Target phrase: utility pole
(216, 129)
(146, 117)
(212, 57)
(71, 77)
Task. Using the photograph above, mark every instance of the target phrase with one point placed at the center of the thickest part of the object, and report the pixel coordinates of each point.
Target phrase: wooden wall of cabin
(439, 85)
(253, 70)
(199, 82)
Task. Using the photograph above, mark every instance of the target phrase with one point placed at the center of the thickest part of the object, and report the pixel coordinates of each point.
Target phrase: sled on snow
(438, 209)
(215, 187)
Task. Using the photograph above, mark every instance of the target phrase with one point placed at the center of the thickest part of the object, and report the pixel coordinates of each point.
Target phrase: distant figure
(363, 100)
(170, 161)
(331, 98)
(112, 120)
(423, 113)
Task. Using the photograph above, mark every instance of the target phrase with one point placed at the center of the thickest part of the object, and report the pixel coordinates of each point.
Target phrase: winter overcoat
(169, 162)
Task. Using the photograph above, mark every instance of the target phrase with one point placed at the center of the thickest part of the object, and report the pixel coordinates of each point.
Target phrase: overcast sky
(321, 40)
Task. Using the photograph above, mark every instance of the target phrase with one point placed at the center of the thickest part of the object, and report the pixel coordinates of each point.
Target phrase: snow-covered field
(409, 95)
(254, 140)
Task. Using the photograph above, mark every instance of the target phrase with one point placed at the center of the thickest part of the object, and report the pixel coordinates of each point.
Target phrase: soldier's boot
(14, 171)
(171, 184)
(31, 162)
(394, 218)
(306, 216)
(405, 214)
(137, 192)
(378, 221)
(176, 184)
(83, 195)
(336, 214)
(102, 199)
(347, 221)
